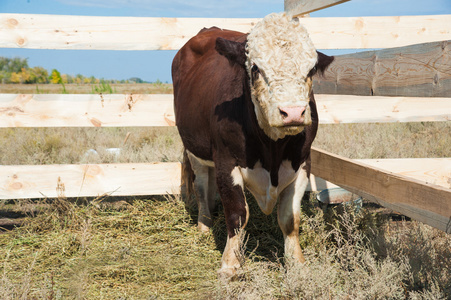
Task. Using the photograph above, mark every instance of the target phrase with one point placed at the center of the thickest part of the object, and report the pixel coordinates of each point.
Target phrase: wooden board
(74, 110)
(415, 71)
(336, 109)
(435, 171)
(160, 178)
(114, 110)
(18, 182)
(301, 7)
(133, 33)
(425, 202)
(105, 33)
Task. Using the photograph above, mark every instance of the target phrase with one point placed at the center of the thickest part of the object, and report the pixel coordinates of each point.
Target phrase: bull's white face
(280, 58)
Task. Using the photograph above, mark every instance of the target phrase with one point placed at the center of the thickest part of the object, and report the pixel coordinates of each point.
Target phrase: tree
(136, 80)
(64, 78)
(55, 77)
(10, 65)
(40, 74)
(15, 77)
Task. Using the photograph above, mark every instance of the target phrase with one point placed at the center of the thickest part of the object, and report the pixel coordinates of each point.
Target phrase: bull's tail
(187, 178)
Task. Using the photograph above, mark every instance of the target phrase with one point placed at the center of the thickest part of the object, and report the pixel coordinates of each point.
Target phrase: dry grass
(37, 146)
(136, 251)
(72, 145)
(151, 249)
(386, 140)
(119, 88)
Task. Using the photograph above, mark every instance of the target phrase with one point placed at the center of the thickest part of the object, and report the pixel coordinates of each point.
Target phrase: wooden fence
(419, 188)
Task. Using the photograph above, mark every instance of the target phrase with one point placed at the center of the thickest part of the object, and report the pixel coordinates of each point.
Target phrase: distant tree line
(16, 70)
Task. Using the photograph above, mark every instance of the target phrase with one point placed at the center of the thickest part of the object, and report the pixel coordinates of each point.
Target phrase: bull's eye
(254, 72)
(312, 72)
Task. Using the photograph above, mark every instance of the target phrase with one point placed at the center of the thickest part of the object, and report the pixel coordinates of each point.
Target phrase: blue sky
(153, 65)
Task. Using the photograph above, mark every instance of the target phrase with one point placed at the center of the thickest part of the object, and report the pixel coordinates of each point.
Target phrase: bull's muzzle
(293, 115)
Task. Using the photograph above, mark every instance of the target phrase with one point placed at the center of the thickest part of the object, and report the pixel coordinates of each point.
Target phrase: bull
(246, 113)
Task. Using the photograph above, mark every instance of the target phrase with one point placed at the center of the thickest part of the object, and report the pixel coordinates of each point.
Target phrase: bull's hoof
(203, 228)
(225, 275)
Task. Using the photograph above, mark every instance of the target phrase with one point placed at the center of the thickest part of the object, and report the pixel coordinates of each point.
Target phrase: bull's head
(280, 60)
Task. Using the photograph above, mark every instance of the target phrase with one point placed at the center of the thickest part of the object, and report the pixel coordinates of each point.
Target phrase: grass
(120, 88)
(150, 248)
(386, 140)
(72, 145)
(102, 88)
(136, 251)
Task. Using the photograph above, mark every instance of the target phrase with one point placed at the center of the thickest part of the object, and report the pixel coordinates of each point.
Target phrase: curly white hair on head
(280, 50)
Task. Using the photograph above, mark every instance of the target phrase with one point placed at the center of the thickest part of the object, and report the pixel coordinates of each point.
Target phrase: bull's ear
(233, 51)
(323, 62)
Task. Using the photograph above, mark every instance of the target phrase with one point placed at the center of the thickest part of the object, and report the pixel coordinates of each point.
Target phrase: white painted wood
(302, 7)
(114, 110)
(132, 33)
(41, 181)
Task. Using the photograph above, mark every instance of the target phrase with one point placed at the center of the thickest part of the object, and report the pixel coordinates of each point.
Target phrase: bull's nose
(292, 115)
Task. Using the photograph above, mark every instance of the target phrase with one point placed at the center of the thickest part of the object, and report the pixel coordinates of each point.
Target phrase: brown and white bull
(247, 117)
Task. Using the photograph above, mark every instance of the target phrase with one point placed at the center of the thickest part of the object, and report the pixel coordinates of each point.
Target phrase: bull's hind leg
(288, 214)
(205, 189)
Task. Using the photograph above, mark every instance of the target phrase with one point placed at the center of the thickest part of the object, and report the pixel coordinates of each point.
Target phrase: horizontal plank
(74, 110)
(133, 33)
(301, 7)
(106, 33)
(422, 70)
(114, 110)
(435, 171)
(336, 109)
(41, 181)
(160, 178)
(425, 202)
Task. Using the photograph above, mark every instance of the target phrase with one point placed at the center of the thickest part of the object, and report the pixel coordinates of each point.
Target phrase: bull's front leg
(288, 214)
(236, 211)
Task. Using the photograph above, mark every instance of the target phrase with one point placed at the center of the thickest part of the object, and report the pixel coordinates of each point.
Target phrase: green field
(149, 247)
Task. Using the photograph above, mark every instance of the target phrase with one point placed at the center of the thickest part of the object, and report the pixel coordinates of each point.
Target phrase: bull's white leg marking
(231, 257)
(204, 187)
(237, 177)
(230, 261)
(288, 215)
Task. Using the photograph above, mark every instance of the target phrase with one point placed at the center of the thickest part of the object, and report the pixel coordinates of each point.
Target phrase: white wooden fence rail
(115, 110)
(132, 33)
